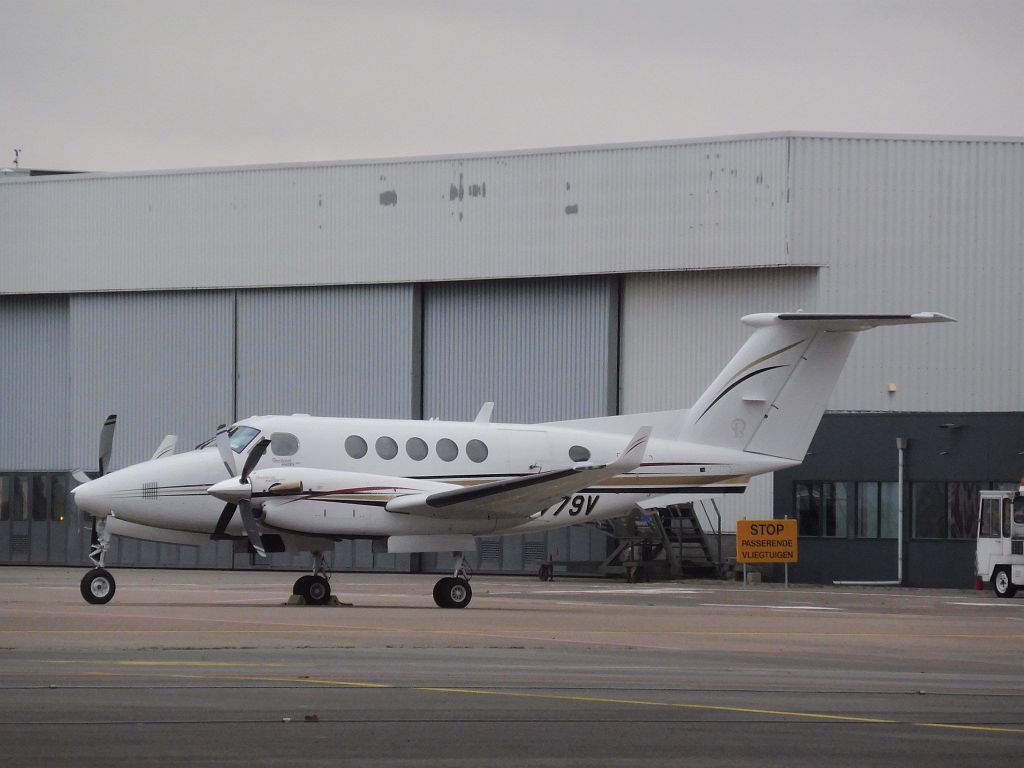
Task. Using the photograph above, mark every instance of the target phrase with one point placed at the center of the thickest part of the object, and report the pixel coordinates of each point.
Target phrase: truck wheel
(1001, 583)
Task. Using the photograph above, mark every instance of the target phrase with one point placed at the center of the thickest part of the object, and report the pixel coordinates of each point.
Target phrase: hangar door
(542, 350)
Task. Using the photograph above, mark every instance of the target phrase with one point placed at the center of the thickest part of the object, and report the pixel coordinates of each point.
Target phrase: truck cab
(999, 555)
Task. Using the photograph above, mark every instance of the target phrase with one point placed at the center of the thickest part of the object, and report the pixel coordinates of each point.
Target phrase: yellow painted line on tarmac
(956, 727)
(822, 716)
(674, 705)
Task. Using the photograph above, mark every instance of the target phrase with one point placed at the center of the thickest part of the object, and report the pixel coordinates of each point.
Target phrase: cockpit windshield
(239, 437)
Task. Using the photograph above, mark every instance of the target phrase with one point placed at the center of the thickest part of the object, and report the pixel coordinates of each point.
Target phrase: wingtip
(633, 455)
(933, 317)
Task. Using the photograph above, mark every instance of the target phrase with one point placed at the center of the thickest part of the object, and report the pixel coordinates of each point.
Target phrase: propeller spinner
(238, 495)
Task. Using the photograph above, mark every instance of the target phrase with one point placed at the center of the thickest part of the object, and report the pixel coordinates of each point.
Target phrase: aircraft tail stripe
(736, 383)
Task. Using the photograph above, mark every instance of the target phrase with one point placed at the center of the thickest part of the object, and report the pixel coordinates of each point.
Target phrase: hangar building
(559, 283)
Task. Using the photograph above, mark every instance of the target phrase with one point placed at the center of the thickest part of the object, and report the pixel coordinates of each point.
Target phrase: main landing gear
(454, 591)
(98, 584)
(315, 588)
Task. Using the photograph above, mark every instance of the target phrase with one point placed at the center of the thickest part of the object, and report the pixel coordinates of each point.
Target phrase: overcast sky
(117, 85)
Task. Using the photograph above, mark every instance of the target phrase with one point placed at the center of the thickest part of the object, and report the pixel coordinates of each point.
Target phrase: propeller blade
(107, 442)
(80, 476)
(224, 446)
(222, 522)
(254, 458)
(251, 528)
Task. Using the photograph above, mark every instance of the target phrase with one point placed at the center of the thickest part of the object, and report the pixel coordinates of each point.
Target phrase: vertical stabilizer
(770, 398)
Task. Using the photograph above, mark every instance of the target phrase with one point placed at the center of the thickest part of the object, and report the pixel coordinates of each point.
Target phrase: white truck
(999, 555)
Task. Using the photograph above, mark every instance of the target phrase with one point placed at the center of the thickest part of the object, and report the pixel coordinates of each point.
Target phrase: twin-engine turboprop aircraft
(300, 483)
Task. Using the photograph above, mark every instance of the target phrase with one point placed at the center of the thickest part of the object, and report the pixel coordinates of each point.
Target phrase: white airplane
(433, 486)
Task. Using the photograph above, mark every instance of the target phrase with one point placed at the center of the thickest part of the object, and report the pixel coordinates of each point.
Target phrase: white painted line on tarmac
(987, 603)
(773, 607)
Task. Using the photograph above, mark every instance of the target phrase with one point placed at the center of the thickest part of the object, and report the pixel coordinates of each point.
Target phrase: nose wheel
(98, 586)
(454, 591)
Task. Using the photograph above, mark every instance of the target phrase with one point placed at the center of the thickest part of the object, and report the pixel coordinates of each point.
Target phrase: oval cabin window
(579, 453)
(387, 448)
(284, 444)
(447, 450)
(416, 448)
(476, 450)
(355, 446)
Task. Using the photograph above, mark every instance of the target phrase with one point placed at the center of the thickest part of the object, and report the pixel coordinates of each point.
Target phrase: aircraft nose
(92, 497)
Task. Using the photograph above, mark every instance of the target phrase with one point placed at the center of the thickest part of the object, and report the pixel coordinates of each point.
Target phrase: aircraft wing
(520, 496)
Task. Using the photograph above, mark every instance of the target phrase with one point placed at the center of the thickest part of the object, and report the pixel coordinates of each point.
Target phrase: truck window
(990, 518)
(1006, 518)
(1018, 509)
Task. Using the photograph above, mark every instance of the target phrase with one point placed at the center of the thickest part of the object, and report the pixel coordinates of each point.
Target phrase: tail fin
(771, 395)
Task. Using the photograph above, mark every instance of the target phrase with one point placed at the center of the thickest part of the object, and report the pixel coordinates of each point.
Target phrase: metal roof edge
(527, 152)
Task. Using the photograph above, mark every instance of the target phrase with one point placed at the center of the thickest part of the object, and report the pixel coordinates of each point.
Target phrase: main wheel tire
(98, 586)
(299, 587)
(317, 591)
(441, 592)
(1002, 584)
(545, 572)
(458, 593)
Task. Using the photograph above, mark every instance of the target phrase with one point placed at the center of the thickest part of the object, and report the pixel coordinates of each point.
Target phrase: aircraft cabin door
(528, 451)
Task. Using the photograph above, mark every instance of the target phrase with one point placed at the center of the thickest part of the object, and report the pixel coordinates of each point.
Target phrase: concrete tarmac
(211, 668)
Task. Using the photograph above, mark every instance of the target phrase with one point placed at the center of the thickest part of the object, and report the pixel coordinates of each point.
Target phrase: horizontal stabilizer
(846, 321)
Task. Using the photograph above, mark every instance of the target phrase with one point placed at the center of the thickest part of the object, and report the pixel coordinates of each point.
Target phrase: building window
(821, 508)
(387, 448)
(355, 446)
(929, 510)
(40, 498)
(878, 510)
(962, 507)
(58, 499)
(416, 448)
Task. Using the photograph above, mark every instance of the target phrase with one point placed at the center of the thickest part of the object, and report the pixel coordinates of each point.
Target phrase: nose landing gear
(98, 585)
(454, 591)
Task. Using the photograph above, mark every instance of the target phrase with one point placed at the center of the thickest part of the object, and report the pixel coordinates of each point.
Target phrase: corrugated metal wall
(348, 351)
(542, 350)
(163, 362)
(33, 382)
(591, 210)
(909, 224)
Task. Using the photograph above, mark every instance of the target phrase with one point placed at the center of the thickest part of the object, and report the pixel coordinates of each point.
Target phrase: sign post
(766, 541)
